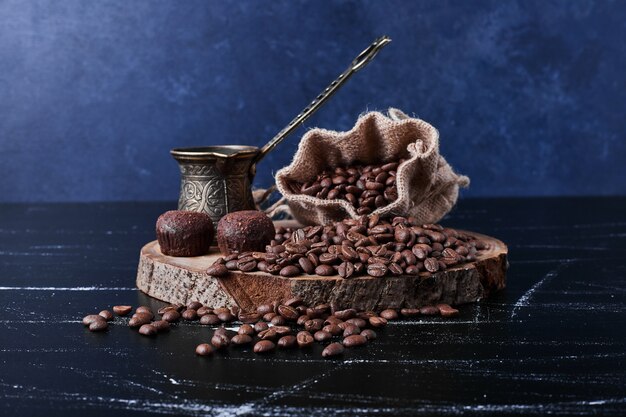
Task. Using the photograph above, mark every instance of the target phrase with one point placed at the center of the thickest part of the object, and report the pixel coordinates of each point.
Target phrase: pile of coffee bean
(366, 187)
(368, 245)
(284, 325)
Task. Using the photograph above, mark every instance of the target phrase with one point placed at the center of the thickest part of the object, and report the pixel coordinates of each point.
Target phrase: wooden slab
(182, 280)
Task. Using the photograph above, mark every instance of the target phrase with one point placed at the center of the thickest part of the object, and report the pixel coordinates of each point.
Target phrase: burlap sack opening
(427, 186)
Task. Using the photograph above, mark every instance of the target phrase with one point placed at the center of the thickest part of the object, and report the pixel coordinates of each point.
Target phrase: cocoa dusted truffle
(243, 231)
(184, 233)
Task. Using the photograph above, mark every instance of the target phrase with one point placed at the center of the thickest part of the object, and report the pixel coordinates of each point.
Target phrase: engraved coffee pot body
(216, 179)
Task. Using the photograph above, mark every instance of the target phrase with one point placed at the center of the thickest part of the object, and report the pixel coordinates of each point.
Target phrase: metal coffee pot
(218, 179)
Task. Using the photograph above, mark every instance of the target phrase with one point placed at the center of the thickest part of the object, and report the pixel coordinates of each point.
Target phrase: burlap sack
(427, 186)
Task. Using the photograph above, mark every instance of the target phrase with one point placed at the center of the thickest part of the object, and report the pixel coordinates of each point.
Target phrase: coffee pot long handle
(359, 62)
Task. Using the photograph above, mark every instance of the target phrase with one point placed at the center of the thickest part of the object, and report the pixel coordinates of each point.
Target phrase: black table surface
(552, 342)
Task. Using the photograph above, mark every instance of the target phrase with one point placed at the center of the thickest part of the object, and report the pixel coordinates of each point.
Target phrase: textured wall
(529, 96)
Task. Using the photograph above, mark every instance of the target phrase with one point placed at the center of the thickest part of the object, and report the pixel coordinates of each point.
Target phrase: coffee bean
(288, 312)
(345, 314)
(290, 271)
(346, 270)
(369, 334)
(203, 311)
(217, 270)
(139, 319)
(190, 314)
(208, 319)
(333, 349)
(122, 310)
(358, 322)
(98, 325)
(194, 305)
(281, 330)
(269, 334)
(287, 342)
(350, 329)
(306, 265)
(171, 316)
(260, 326)
(241, 339)
(324, 270)
(431, 264)
(313, 325)
(322, 336)
(447, 311)
(147, 330)
(304, 339)
(264, 346)
(378, 321)
(246, 329)
(333, 329)
(220, 341)
(247, 265)
(409, 312)
(302, 319)
(278, 320)
(376, 270)
(264, 309)
(269, 316)
(221, 330)
(204, 349)
(144, 310)
(389, 314)
(161, 326)
(224, 316)
(249, 317)
(354, 340)
(87, 320)
(429, 311)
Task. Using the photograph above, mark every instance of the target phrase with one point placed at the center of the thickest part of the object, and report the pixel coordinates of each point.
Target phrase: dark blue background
(529, 96)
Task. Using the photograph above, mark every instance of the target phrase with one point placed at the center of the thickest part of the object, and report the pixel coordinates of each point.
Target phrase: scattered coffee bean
(217, 270)
(345, 314)
(241, 339)
(429, 311)
(226, 316)
(106, 314)
(171, 315)
(287, 342)
(144, 310)
(322, 336)
(204, 349)
(98, 325)
(409, 312)
(139, 319)
(87, 320)
(288, 312)
(333, 349)
(447, 311)
(369, 334)
(203, 311)
(350, 329)
(190, 314)
(378, 321)
(358, 322)
(122, 310)
(208, 319)
(246, 329)
(147, 330)
(194, 305)
(264, 309)
(333, 329)
(161, 326)
(269, 334)
(264, 346)
(260, 326)
(304, 339)
(219, 340)
(278, 320)
(389, 314)
(354, 340)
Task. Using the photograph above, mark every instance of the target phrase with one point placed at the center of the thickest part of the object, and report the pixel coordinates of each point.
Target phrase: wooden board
(182, 280)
